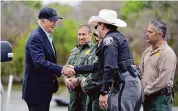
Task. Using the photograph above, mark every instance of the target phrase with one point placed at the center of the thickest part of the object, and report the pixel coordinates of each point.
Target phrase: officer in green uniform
(78, 56)
(92, 83)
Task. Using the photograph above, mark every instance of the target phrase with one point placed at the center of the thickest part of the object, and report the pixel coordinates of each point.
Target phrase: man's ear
(90, 36)
(160, 35)
(43, 21)
(103, 27)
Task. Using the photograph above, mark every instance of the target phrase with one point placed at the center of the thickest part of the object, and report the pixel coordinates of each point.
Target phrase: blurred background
(19, 19)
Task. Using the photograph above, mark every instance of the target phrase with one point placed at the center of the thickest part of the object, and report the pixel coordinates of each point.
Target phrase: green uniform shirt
(93, 79)
(79, 55)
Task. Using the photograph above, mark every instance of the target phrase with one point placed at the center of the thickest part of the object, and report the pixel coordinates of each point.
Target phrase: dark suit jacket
(40, 70)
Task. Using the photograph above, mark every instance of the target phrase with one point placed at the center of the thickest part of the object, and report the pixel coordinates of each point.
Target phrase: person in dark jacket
(41, 69)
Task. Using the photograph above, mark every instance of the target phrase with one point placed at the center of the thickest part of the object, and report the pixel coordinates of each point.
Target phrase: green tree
(131, 7)
(65, 38)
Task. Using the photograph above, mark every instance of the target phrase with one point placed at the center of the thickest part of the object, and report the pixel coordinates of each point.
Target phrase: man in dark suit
(41, 70)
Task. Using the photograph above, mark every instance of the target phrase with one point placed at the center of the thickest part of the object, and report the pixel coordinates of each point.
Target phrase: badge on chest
(108, 40)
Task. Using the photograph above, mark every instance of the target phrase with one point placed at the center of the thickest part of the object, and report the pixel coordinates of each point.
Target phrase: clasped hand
(68, 70)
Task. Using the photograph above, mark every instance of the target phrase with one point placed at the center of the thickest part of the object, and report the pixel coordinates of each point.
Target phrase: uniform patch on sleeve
(108, 41)
(87, 52)
(157, 53)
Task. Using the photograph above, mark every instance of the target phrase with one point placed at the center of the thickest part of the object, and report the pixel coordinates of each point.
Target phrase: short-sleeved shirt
(158, 68)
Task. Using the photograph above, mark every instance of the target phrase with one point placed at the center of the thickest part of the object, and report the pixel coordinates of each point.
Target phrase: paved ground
(17, 104)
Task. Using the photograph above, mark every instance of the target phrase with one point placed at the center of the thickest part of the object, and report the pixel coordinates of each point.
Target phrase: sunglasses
(99, 23)
(96, 26)
(94, 34)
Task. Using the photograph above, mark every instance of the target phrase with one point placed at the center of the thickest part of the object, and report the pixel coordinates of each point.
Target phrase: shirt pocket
(154, 59)
(90, 59)
(72, 59)
(83, 59)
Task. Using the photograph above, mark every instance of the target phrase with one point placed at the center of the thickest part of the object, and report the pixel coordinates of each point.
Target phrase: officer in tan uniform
(158, 66)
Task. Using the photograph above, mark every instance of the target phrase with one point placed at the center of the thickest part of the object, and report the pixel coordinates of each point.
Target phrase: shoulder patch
(108, 41)
(157, 53)
(87, 52)
(74, 51)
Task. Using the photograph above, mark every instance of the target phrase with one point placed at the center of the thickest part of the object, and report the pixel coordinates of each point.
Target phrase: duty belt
(123, 66)
(165, 91)
(130, 67)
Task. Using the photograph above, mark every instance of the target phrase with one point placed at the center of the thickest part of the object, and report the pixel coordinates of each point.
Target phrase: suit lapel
(47, 42)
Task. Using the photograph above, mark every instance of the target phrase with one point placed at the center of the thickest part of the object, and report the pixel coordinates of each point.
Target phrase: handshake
(68, 70)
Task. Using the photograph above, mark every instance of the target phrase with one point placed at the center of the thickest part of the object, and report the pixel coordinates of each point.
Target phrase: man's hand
(74, 82)
(68, 83)
(68, 70)
(82, 84)
(103, 101)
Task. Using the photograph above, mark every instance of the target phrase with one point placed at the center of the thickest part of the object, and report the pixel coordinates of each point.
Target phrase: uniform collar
(90, 43)
(110, 32)
(47, 34)
(161, 47)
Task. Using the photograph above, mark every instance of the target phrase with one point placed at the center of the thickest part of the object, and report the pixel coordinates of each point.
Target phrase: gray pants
(128, 97)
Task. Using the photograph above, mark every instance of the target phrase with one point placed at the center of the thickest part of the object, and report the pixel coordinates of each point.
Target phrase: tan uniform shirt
(158, 68)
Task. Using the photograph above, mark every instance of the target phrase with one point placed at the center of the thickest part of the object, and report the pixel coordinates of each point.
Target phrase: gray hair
(39, 21)
(160, 26)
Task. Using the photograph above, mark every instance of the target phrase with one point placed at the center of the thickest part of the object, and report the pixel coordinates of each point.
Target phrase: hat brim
(55, 18)
(116, 22)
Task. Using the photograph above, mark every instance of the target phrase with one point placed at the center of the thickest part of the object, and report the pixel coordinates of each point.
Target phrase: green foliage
(19, 56)
(19, 52)
(171, 41)
(130, 7)
(17, 65)
(176, 99)
(33, 4)
(65, 38)
(6, 69)
(176, 84)
(62, 10)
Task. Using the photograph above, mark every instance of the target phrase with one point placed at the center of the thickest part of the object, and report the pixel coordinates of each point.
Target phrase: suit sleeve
(36, 50)
(110, 65)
